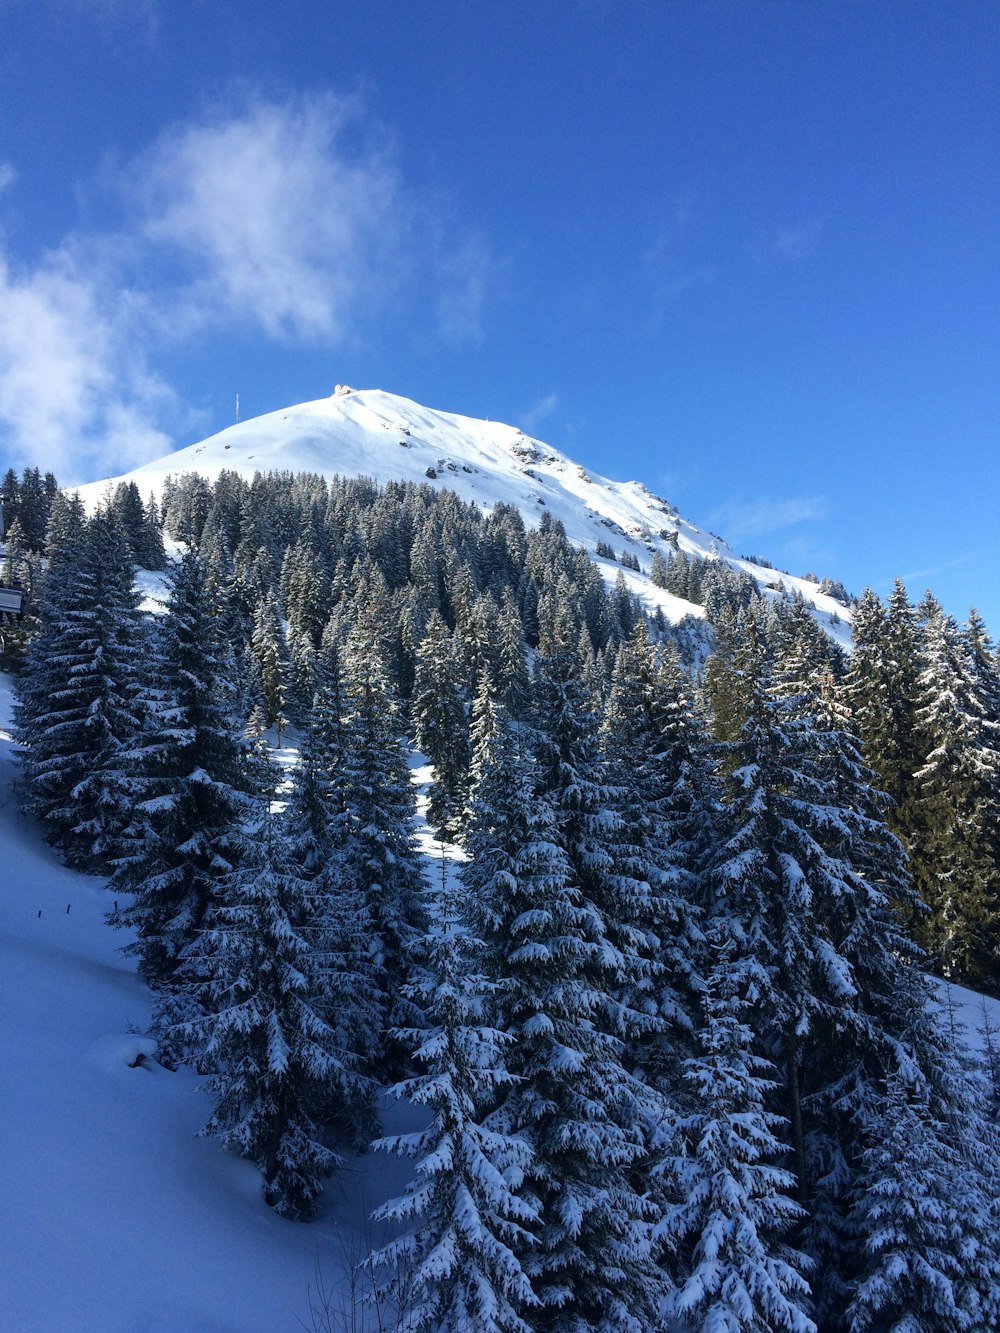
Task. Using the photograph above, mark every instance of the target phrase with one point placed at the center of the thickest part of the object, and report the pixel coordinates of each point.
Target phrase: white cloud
(463, 278)
(916, 576)
(789, 244)
(671, 266)
(7, 176)
(110, 17)
(75, 396)
(806, 553)
(271, 218)
(293, 219)
(738, 520)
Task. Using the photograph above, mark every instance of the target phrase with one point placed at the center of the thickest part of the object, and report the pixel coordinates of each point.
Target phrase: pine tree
(267, 662)
(956, 808)
(67, 520)
(78, 708)
(272, 1056)
(812, 871)
(10, 498)
(439, 719)
(927, 1218)
(510, 671)
(659, 757)
(380, 857)
(33, 508)
(300, 673)
(728, 1229)
(126, 505)
(881, 690)
(457, 1264)
(551, 909)
(20, 569)
(315, 830)
(193, 781)
(305, 590)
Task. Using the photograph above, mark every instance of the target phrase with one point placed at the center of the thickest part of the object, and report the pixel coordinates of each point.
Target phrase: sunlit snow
(371, 433)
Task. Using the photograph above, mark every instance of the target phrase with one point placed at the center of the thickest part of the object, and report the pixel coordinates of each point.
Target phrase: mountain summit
(369, 432)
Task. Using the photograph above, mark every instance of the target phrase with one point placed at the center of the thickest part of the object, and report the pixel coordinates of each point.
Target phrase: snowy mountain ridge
(372, 433)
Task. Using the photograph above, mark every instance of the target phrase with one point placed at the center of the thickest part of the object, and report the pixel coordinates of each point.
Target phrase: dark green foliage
(267, 662)
(193, 781)
(575, 954)
(882, 690)
(441, 727)
(664, 795)
(956, 805)
(379, 858)
(681, 967)
(658, 573)
(34, 502)
(141, 525)
(812, 872)
(78, 710)
(456, 1266)
(728, 1212)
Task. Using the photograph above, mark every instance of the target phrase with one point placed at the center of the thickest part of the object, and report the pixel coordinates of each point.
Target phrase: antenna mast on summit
(237, 409)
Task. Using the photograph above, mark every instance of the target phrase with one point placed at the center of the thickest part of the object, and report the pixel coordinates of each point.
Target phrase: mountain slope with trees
(673, 1023)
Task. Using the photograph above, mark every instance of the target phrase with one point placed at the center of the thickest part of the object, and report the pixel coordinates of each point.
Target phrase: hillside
(120, 1219)
(376, 434)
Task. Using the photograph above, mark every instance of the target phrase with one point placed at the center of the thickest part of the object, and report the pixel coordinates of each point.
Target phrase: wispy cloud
(798, 241)
(540, 411)
(804, 552)
(790, 243)
(916, 576)
(738, 519)
(464, 278)
(296, 216)
(110, 17)
(287, 219)
(671, 265)
(270, 217)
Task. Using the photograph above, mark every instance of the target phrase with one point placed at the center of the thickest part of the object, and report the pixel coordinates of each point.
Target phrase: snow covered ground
(116, 1217)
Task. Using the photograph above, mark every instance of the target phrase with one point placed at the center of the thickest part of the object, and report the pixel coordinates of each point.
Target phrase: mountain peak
(373, 433)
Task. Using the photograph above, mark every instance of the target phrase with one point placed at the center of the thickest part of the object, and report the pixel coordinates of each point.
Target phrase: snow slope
(116, 1217)
(376, 434)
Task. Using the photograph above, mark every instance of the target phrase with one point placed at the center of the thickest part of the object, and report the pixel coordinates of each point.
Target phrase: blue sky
(744, 252)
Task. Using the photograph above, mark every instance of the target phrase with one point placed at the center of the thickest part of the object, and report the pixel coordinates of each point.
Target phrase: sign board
(12, 600)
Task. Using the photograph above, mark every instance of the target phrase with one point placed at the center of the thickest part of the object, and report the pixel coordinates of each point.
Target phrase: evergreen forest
(671, 1011)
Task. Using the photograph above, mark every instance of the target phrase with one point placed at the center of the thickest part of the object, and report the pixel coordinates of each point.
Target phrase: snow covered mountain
(380, 435)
